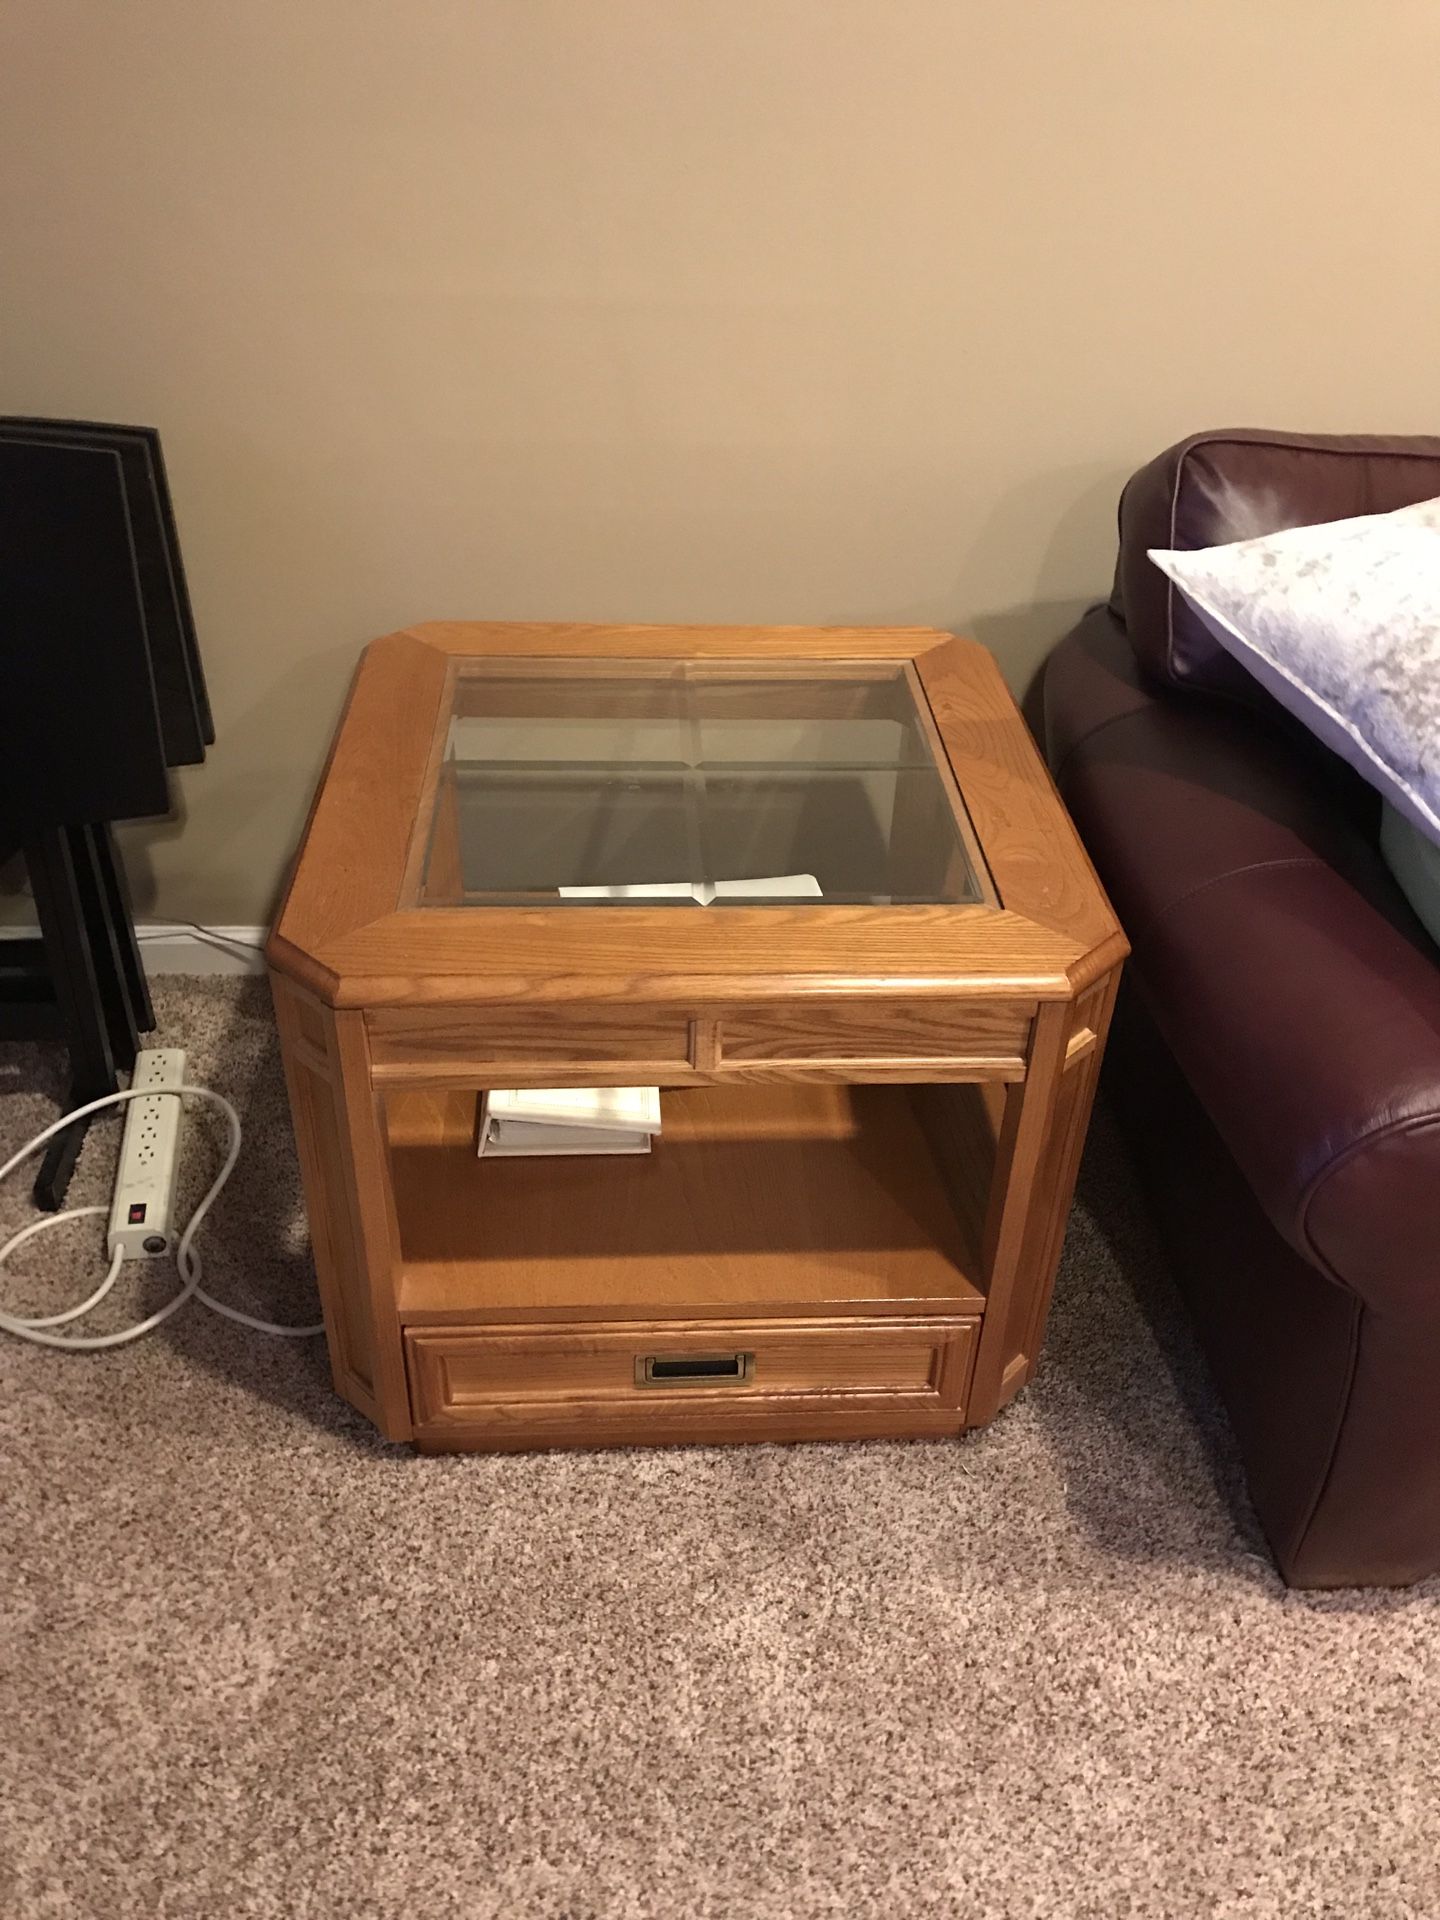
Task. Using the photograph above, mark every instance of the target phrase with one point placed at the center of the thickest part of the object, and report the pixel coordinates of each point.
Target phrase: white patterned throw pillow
(1341, 623)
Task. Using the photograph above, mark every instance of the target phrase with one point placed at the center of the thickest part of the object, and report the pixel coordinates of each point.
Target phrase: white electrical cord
(186, 1258)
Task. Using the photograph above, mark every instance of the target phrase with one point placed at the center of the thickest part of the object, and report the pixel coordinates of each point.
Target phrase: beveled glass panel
(597, 782)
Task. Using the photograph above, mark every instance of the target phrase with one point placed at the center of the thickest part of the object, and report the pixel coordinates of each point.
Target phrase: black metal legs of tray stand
(82, 981)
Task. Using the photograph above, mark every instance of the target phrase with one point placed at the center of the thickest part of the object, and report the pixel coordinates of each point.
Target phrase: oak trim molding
(349, 931)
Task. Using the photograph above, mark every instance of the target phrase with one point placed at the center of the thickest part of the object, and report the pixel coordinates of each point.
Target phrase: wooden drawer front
(519, 1386)
(534, 1046)
(991, 1035)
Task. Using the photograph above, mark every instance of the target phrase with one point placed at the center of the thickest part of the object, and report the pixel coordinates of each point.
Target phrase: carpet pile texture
(256, 1662)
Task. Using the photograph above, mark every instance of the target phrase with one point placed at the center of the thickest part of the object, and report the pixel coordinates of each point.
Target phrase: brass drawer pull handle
(693, 1369)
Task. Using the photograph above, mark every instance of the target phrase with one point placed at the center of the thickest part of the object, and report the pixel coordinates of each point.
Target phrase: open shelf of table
(787, 1198)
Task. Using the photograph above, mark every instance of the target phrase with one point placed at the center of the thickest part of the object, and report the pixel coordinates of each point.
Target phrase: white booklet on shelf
(556, 1120)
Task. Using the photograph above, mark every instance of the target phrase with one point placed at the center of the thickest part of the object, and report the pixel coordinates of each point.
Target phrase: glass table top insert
(659, 782)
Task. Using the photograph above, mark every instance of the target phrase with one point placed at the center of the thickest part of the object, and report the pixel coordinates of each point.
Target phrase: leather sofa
(1276, 1062)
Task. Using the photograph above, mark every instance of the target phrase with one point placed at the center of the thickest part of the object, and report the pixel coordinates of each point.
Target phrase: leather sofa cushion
(1222, 486)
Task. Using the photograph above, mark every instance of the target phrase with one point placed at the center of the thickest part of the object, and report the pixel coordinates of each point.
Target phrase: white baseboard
(168, 946)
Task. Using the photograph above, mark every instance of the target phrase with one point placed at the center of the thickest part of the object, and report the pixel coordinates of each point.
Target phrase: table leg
(107, 944)
(345, 1167)
(1038, 1158)
(74, 974)
(115, 897)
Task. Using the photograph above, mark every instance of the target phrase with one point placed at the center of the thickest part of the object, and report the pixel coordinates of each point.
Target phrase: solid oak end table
(816, 885)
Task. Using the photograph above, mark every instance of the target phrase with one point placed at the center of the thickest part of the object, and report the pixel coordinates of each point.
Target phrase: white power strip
(142, 1216)
(143, 1210)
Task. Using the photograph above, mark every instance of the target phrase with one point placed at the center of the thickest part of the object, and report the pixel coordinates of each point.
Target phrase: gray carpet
(255, 1662)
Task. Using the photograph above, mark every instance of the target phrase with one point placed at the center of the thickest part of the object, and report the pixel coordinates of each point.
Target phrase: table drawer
(666, 1382)
(503, 1046)
(856, 1034)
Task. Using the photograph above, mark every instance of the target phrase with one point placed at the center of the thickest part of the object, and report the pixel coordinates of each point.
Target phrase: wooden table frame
(378, 997)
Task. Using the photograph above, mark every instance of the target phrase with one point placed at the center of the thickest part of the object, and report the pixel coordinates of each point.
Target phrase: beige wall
(842, 310)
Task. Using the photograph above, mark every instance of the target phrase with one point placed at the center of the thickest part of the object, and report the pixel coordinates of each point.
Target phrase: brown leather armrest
(1090, 681)
(1291, 982)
